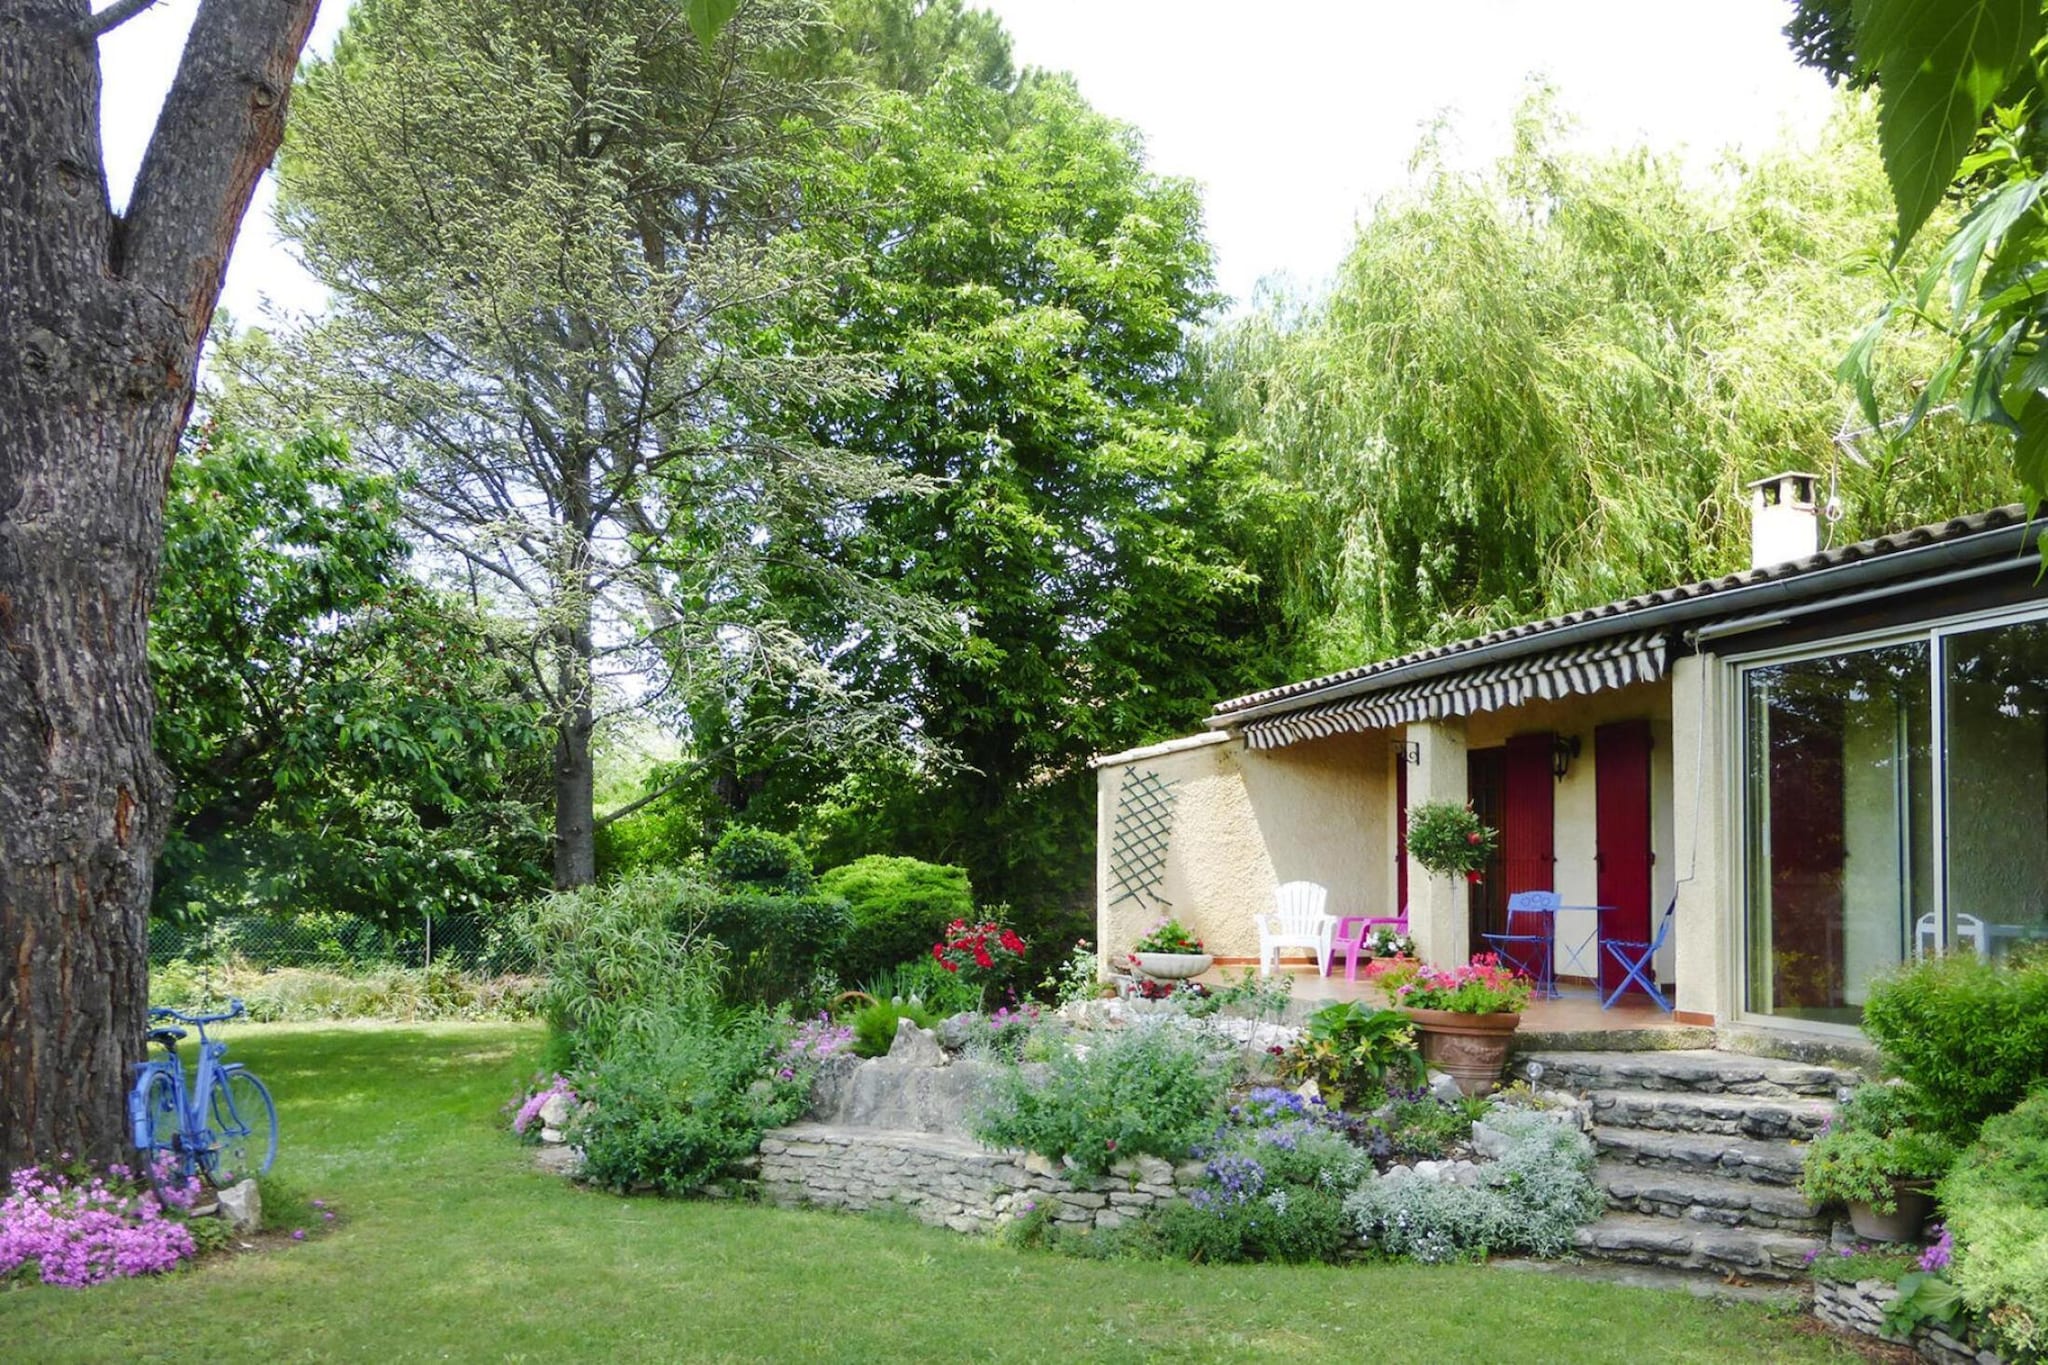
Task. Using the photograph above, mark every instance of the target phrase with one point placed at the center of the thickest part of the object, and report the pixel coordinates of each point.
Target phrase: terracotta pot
(1471, 1048)
(1173, 966)
(1905, 1224)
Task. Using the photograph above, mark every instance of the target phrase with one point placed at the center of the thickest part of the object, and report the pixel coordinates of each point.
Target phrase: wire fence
(464, 942)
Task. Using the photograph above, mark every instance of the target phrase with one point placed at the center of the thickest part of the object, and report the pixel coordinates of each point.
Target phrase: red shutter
(1401, 833)
(1529, 823)
(1621, 794)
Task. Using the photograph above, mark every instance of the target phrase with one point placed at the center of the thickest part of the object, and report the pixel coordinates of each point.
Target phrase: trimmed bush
(1995, 1204)
(777, 947)
(900, 907)
(1969, 1036)
(762, 860)
(874, 1028)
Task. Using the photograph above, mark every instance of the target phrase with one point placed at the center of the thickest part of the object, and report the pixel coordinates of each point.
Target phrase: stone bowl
(1173, 966)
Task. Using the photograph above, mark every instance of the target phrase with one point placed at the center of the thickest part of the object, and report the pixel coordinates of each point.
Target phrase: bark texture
(101, 319)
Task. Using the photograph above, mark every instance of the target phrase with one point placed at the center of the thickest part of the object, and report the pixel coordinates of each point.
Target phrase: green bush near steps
(1995, 1203)
(1968, 1036)
(900, 907)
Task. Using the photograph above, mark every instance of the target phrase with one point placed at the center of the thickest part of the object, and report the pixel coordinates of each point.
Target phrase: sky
(1294, 116)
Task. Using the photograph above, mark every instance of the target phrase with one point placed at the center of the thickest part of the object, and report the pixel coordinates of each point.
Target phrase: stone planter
(1904, 1224)
(1172, 966)
(1472, 1048)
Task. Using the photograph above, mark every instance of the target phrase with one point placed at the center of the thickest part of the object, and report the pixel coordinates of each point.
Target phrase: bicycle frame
(196, 1140)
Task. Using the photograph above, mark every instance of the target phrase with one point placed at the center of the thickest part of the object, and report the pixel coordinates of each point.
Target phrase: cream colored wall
(1708, 931)
(1246, 821)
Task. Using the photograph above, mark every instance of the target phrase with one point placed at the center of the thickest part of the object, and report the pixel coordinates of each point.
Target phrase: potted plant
(1872, 1158)
(1170, 953)
(1466, 1017)
(1446, 838)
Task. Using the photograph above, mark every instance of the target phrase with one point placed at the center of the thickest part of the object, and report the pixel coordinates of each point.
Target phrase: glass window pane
(1995, 683)
(1837, 785)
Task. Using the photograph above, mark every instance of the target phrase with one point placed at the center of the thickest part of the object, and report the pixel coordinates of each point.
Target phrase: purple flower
(1938, 1256)
(298, 1234)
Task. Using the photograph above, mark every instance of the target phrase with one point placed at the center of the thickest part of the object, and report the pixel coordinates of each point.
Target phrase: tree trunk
(100, 324)
(575, 777)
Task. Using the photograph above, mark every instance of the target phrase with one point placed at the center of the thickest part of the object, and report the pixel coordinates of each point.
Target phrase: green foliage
(400, 994)
(924, 980)
(678, 1102)
(615, 965)
(1168, 936)
(1446, 838)
(1923, 1297)
(1864, 1263)
(900, 907)
(1533, 1199)
(1872, 1143)
(1995, 1203)
(1540, 387)
(1031, 286)
(340, 738)
(777, 947)
(762, 860)
(874, 1026)
(1423, 1128)
(1354, 1053)
(1155, 1090)
(1289, 1224)
(1969, 1036)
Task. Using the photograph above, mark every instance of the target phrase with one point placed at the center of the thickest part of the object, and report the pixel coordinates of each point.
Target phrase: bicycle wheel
(159, 1133)
(244, 1124)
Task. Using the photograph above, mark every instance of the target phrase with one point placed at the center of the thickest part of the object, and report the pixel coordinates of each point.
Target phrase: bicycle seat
(166, 1036)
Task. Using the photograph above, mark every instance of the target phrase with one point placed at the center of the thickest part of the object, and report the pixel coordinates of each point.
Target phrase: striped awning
(1546, 677)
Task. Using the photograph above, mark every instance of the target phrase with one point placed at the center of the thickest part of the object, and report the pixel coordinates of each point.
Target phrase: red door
(1621, 795)
(1529, 823)
(1401, 834)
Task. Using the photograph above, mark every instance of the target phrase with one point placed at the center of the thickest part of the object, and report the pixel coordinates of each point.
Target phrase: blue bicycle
(222, 1129)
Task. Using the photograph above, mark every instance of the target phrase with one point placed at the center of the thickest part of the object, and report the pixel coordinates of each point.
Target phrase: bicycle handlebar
(235, 1010)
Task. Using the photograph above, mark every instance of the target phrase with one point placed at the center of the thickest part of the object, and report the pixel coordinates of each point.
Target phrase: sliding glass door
(1995, 752)
(1838, 775)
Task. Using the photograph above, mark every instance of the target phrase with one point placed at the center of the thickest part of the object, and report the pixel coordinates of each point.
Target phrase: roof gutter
(1789, 589)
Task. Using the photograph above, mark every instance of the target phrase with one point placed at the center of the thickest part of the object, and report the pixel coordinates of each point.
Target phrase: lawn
(452, 1247)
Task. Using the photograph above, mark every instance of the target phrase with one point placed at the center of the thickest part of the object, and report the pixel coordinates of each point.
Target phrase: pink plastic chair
(1354, 930)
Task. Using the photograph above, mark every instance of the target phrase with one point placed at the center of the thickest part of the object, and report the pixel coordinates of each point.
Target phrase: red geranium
(987, 947)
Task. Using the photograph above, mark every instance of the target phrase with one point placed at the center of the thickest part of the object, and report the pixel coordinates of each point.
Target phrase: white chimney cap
(1784, 523)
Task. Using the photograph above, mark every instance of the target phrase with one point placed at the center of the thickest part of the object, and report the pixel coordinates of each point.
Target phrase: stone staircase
(1700, 1153)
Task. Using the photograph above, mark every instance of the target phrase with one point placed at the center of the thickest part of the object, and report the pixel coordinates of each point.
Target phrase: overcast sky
(1294, 115)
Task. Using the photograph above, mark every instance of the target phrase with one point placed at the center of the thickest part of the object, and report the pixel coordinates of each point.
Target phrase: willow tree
(1542, 386)
(535, 224)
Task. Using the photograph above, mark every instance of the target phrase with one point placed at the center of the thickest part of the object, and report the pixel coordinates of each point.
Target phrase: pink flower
(298, 1234)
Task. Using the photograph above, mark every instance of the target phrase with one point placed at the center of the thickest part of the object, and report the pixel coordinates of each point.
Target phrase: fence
(469, 942)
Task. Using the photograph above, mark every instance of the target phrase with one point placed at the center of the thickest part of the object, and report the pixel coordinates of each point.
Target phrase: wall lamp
(1563, 750)
(1408, 751)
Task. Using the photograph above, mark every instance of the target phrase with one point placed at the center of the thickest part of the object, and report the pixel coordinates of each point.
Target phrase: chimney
(1784, 523)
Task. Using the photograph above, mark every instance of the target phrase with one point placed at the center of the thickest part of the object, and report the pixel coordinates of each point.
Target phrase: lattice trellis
(1144, 829)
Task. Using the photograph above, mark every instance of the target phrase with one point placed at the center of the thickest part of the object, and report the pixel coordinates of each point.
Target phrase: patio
(1576, 1011)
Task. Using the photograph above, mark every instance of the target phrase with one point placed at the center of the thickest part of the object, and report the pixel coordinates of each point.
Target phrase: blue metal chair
(1636, 961)
(1526, 946)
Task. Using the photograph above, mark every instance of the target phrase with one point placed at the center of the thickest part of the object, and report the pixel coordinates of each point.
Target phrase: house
(1834, 762)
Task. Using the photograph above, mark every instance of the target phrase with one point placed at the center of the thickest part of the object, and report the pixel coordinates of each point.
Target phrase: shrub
(1532, 1199)
(1353, 1052)
(614, 963)
(1156, 1089)
(900, 906)
(295, 993)
(874, 1028)
(1995, 1205)
(1446, 838)
(925, 981)
(763, 860)
(986, 954)
(674, 1104)
(1870, 1144)
(1288, 1223)
(1969, 1036)
(777, 947)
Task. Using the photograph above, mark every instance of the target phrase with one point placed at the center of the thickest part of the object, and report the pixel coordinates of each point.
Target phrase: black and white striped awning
(1546, 677)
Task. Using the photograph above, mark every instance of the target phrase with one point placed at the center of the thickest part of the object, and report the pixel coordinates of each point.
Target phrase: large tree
(101, 317)
(531, 221)
(1542, 386)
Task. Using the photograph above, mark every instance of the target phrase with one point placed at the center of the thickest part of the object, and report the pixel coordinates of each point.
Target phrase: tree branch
(112, 17)
(220, 126)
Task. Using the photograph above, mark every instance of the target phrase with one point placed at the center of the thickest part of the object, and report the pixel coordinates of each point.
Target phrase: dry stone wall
(1859, 1307)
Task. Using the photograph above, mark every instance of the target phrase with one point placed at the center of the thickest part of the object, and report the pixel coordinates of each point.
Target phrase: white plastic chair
(1298, 921)
(1969, 929)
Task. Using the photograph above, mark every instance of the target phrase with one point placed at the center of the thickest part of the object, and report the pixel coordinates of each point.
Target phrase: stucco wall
(1246, 821)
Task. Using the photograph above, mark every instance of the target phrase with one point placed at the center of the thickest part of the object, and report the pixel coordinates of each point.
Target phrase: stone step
(1682, 1244)
(1712, 1199)
(1695, 1070)
(1688, 1111)
(1762, 1162)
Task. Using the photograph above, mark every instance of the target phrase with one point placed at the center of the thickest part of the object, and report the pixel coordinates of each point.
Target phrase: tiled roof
(1959, 528)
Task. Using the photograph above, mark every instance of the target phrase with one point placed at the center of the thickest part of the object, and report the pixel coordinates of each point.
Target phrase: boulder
(557, 1112)
(956, 1032)
(1444, 1088)
(241, 1204)
(915, 1046)
(560, 1160)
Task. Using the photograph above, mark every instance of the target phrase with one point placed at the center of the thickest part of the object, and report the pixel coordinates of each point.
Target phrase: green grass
(452, 1247)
